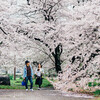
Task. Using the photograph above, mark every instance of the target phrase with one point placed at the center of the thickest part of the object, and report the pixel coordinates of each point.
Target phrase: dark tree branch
(37, 39)
(3, 30)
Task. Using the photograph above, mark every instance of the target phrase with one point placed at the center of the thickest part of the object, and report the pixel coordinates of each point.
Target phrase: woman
(39, 73)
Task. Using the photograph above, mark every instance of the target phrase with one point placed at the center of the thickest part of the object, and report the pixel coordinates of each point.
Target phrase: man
(28, 75)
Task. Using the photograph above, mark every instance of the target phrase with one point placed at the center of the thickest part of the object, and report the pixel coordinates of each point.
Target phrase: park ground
(45, 94)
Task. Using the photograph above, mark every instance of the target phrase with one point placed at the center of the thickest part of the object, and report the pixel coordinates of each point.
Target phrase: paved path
(38, 95)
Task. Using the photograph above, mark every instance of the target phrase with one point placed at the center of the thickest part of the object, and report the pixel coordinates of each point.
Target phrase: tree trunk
(28, 2)
(14, 73)
(57, 55)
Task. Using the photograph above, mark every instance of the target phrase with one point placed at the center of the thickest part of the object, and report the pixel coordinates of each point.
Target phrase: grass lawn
(16, 84)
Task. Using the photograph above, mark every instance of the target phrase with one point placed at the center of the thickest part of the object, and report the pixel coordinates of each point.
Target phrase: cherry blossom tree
(57, 32)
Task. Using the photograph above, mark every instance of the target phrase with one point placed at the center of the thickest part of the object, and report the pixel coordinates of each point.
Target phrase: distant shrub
(96, 79)
(71, 89)
(10, 76)
(45, 74)
(97, 93)
(98, 84)
(94, 84)
(21, 77)
(80, 64)
(90, 84)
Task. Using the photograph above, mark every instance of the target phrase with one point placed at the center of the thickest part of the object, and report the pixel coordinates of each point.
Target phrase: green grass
(16, 84)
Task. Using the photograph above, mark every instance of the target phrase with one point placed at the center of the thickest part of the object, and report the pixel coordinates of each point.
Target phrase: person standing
(39, 73)
(28, 75)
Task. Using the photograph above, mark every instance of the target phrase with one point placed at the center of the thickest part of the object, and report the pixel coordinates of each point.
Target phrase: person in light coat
(39, 73)
(28, 75)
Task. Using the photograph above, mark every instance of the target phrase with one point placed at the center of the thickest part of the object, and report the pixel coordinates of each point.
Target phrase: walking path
(39, 95)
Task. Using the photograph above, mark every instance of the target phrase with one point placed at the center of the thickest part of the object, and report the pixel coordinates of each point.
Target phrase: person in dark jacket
(28, 75)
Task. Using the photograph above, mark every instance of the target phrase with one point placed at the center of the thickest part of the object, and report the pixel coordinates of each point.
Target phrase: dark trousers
(39, 81)
(31, 81)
